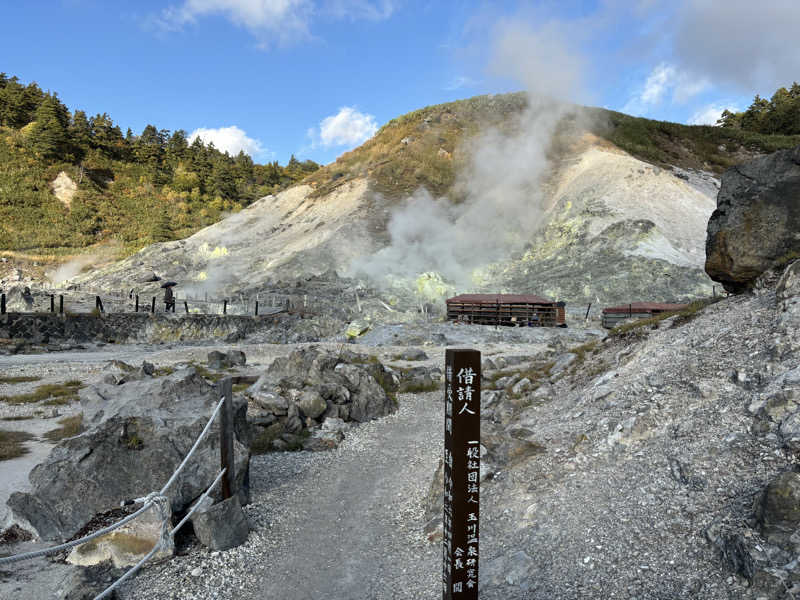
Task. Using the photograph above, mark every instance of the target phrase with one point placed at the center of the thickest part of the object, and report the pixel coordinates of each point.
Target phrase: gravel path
(344, 524)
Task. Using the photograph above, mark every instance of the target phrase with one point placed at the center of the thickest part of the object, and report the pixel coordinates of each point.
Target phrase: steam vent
(511, 310)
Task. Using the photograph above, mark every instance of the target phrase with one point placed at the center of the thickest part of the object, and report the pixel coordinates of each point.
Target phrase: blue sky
(316, 78)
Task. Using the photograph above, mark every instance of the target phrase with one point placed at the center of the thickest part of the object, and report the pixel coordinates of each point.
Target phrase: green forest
(136, 189)
(780, 114)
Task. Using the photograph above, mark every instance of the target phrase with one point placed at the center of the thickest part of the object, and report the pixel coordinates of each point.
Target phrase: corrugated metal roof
(641, 307)
(500, 299)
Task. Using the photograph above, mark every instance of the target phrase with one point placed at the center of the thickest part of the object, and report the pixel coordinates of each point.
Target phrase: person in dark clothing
(169, 299)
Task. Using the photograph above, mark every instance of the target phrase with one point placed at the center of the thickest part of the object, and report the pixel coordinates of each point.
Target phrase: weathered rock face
(754, 227)
(137, 434)
(300, 392)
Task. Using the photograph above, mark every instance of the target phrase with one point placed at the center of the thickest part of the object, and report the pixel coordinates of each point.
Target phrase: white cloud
(665, 80)
(709, 115)
(657, 83)
(273, 21)
(462, 81)
(348, 127)
(361, 9)
(228, 139)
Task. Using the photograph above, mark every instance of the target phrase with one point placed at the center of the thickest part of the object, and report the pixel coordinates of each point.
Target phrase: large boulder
(754, 227)
(300, 392)
(136, 435)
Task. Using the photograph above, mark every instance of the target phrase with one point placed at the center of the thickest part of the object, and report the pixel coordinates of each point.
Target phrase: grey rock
(753, 228)
(217, 360)
(789, 283)
(148, 368)
(335, 392)
(779, 508)
(562, 362)
(790, 431)
(221, 526)
(236, 358)
(523, 385)
(370, 401)
(512, 570)
(311, 404)
(413, 354)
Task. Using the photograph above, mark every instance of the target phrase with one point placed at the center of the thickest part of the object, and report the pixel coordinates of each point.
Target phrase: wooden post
(186, 306)
(714, 290)
(61, 304)
(225, 306)
(587, 311)
(2, 304)
(226, 437)
(256, 307)
(630, 310)
(462, 455)
(98, 304)
(136, 309)
(52, 303)
(153, 306)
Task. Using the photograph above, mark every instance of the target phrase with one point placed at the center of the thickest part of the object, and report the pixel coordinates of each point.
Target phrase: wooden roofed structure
(510, 310)
(614, 315)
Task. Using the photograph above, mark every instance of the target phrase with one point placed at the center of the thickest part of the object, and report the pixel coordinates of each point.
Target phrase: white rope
(149, 501)
(196, 444)
(197, 504)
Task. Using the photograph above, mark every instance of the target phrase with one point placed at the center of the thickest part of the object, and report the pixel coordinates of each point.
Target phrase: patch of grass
(297, 444)
(17, 418)
(412, 387)
(205, 373)
(240, 387)
(70, 426)
(134, 442)
(263, 442)
(21, 379)
(162, 371)
(53, 393)
(11, 443)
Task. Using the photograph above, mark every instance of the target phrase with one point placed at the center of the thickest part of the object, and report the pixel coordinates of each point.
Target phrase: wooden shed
(614, 315)
(511, 310)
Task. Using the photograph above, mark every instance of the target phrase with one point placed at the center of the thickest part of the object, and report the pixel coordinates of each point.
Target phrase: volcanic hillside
(622, 207)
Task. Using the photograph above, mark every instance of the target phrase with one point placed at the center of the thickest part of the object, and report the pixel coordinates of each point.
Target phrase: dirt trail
(351, 528)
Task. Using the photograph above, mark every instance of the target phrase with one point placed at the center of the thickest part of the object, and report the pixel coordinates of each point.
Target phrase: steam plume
(503, 204)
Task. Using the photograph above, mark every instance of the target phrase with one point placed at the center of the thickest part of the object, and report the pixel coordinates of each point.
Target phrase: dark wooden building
(511, 310)
(614, 315)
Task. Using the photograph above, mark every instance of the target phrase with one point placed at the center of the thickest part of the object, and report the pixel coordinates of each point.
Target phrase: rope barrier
(149, 500)
(165, 539)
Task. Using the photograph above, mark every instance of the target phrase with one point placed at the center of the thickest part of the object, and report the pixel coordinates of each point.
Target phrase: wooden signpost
(462, 456)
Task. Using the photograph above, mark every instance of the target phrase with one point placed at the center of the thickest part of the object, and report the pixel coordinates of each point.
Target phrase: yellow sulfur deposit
(431, 286)
(218, 252)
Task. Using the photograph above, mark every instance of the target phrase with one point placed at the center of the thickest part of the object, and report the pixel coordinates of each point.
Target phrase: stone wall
(47, 328)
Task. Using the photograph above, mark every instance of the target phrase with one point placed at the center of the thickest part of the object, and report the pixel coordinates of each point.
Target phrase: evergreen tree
(18, 103)
(49, 135)
(176, 148)
(162, 227)
(223, 179)
(147, 148)
(80, 134)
